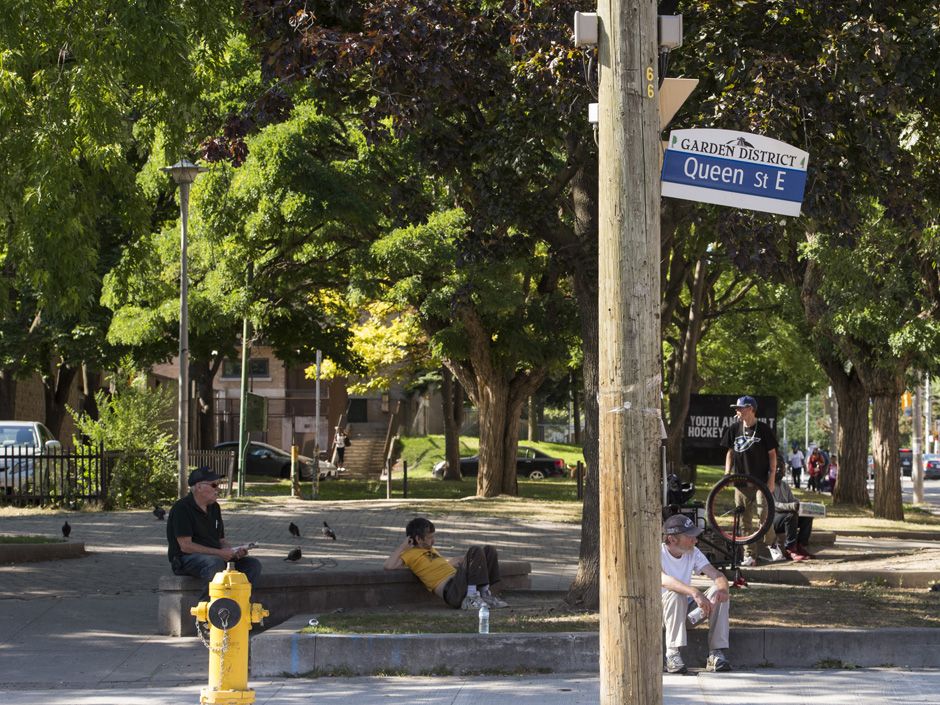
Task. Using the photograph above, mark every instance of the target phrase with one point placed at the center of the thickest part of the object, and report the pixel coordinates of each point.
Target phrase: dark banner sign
(707, 418)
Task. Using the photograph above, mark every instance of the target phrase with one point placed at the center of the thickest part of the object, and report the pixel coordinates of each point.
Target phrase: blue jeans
(201, 565)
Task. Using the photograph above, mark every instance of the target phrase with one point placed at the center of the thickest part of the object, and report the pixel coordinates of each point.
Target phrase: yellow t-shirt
(430, 566)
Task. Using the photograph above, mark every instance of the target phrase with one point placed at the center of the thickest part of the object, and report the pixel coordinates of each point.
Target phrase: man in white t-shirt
(680, 561)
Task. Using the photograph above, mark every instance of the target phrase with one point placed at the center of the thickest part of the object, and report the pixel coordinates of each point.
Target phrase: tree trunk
(584, 591)
(884, 421)
(202, 373)
(56, 387)
(7, 394)
(498, 395)
(452, 404)
(90, 381)
(685, 370)
(576, 413)
(499, 437)
(852, 438)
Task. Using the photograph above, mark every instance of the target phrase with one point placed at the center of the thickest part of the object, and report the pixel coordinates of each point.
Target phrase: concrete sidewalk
(766, 687)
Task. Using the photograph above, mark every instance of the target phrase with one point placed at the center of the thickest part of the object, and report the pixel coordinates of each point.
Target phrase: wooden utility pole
(629, 329)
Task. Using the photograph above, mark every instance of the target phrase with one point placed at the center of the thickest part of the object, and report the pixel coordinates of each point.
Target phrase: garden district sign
(737, 169)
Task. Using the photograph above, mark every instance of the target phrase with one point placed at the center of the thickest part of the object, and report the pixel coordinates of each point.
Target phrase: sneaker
(776, 555)
(675, 664)
(472, 602)
(748, 562)
(717, 663)
(794, 556)
(494, 602)
(801, 549)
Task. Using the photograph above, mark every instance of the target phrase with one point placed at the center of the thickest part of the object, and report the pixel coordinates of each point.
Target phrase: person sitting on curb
(463, 583)
(788, 523)
(680, 560)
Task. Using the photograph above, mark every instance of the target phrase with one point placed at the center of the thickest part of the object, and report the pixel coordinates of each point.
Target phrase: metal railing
(54, 475)
(69, 476)
(221, 462)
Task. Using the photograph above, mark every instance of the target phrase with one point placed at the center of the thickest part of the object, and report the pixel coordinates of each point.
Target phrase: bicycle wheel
(726, 514)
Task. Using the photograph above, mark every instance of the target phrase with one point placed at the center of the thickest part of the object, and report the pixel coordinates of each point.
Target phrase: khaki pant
(675, 609)
(747, 498)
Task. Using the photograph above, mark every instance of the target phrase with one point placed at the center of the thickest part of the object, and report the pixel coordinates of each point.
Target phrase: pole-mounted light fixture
(184, 172)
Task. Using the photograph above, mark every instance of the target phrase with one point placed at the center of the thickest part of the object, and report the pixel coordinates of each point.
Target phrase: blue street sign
(735, 169)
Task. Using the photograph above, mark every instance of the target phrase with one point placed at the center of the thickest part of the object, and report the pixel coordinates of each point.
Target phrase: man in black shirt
(196, 535)
(752, 450)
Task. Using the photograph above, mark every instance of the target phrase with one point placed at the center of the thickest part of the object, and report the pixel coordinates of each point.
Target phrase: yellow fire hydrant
(230, 616)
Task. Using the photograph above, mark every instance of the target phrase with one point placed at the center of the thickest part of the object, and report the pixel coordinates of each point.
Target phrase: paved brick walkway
(128, 549)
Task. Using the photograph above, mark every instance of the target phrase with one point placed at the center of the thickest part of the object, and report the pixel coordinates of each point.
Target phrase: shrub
(135, 421)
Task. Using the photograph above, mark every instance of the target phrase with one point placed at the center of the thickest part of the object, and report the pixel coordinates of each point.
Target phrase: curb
(807, 576)
(283, 651)
(36, 552)
(887, 534)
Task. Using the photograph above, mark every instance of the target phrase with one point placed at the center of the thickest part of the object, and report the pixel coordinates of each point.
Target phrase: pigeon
(159, 512)
(294, 531)
(294, 555)
(328, 532)
(66, 529)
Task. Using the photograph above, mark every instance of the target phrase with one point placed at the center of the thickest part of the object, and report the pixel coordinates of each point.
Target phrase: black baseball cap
(202, 475)
(681, 524)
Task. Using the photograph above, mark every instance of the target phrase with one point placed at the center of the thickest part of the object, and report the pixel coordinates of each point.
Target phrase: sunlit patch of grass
(28, 539)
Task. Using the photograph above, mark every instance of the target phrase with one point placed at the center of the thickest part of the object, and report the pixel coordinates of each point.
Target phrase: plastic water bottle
(484, 619)
(695, 616)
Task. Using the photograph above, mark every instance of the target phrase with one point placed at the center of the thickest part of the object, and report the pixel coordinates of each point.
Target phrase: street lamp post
(184, 172)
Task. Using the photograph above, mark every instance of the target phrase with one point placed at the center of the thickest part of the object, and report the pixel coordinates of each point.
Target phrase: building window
(258, 368)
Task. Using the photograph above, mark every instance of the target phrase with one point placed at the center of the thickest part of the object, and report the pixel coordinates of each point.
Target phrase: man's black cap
(202, 475)
(681, 524)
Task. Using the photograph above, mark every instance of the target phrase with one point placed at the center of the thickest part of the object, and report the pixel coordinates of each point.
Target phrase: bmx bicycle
(722, 517)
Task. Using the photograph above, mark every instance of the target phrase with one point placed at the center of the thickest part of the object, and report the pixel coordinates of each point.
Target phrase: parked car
(22, 444)
(907, 461)
(530, 463)
(264, 459)
(931, 467)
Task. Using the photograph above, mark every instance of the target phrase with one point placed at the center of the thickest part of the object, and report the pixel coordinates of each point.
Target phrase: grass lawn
(6, 539)
(866, 606)
(552, 499)
(422, 453)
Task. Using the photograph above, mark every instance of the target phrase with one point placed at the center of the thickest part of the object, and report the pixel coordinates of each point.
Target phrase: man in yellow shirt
(462, 583)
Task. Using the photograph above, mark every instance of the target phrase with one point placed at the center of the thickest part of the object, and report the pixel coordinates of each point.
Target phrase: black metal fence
(54, 476)
(71, 476)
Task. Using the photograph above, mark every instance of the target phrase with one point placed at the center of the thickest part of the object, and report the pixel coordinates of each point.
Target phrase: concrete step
(285, 651)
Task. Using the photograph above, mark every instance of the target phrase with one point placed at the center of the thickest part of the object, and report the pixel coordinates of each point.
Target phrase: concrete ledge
(804, 575)
(287, 594)
(889, 534)
(285, 652)
(34, 552)
(816, 648)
